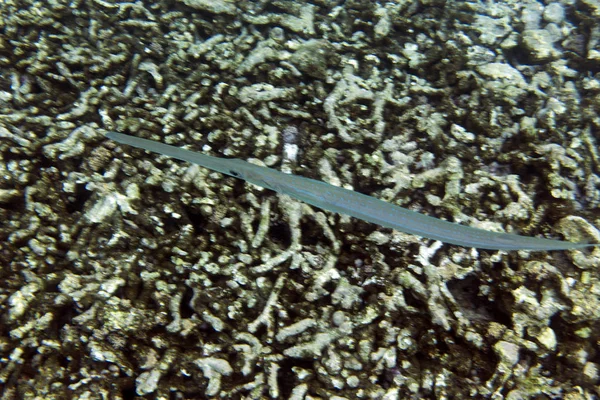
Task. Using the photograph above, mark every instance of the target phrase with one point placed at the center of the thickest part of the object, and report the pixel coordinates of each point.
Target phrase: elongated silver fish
(344, 201)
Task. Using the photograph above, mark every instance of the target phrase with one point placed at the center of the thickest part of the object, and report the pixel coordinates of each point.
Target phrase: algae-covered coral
(125, 274)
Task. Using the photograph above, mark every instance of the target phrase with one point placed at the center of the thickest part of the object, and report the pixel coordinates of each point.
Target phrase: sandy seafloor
(125, 274)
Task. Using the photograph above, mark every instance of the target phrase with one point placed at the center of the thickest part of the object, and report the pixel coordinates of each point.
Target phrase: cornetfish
(354, 204)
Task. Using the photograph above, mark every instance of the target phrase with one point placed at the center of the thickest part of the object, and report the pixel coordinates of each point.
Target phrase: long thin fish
(344, 201)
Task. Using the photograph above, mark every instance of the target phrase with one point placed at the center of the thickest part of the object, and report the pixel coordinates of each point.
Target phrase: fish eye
(234, 173)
